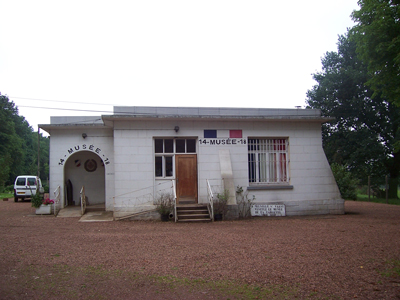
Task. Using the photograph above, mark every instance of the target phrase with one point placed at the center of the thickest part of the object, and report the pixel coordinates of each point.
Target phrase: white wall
(314, 189)
(66, 142)
(128, 151)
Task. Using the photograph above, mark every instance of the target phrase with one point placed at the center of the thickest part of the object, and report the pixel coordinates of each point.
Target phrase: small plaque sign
(270, 210)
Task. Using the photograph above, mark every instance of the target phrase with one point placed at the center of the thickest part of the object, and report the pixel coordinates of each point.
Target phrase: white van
(26, 186)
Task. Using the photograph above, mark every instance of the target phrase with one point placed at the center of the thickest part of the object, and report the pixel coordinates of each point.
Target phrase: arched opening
(84, 168)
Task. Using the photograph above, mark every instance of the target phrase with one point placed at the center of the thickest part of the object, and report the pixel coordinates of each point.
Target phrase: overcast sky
(163, 53)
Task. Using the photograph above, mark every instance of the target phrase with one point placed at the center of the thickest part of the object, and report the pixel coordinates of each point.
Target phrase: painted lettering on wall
(222, 141)
(85, 147)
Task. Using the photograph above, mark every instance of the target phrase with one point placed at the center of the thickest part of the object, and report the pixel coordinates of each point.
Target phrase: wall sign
(270, 210)
(84, 147)
(227, 141)
(90, 165)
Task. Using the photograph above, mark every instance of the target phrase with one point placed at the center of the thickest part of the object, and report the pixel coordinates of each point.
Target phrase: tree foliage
(377, 35)
(346, 182)
(18, 145)
(364, 129)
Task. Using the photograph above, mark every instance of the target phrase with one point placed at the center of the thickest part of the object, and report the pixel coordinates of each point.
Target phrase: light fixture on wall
(84, 135)
(176, 128)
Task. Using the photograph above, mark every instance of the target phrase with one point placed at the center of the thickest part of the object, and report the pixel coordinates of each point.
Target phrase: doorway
(186, 178)
(84, 168)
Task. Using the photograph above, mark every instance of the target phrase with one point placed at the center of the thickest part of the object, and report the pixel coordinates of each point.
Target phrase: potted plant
(43, 207)
(165, 206)
(221, 205)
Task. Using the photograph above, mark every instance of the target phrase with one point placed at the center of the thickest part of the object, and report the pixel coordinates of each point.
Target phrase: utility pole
(38, 153)
(369, 188)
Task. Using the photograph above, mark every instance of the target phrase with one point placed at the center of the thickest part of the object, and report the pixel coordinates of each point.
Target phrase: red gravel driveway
(356, 255)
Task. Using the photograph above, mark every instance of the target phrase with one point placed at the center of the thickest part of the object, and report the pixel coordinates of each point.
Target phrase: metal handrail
(210, 200)
(83, 200)
(57, 198)
(174, 194)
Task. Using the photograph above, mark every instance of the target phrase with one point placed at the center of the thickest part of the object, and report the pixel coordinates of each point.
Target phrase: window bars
(268, 161)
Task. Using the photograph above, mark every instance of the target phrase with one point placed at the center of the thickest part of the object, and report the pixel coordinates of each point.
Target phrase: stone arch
(85, 168)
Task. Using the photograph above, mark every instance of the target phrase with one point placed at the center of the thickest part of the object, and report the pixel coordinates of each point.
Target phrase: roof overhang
(146, 113)
(110, 119)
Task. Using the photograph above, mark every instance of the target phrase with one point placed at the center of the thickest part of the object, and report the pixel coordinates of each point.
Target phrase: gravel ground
(356, 255)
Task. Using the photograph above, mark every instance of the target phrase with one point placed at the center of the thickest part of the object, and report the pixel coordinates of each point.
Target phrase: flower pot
(165, 217)
(217, 217)
(44, 209)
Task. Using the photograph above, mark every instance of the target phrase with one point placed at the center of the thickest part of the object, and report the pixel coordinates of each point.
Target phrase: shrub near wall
(346, 182)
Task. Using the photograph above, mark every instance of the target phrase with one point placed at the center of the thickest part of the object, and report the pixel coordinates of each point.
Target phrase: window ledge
(270, 187)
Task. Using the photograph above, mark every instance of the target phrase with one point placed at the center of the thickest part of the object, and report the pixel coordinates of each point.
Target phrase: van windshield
(31, 181)
(21, 181)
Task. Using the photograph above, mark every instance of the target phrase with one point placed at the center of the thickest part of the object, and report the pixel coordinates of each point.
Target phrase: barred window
(268, 161)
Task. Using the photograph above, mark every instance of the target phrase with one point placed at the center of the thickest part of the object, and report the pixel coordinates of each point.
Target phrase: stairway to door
(192, 212)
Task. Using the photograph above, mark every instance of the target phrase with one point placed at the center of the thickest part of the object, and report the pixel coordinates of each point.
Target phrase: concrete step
(192, 213)
(194, 220)
(183, 202)
(191, 206)
(193, 216)
(95, 208)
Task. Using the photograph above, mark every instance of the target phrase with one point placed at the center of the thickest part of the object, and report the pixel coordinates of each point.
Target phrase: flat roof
(214, 111)
(190, 113)
(225, 113)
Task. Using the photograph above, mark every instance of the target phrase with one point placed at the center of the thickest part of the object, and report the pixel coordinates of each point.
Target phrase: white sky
(232, 53)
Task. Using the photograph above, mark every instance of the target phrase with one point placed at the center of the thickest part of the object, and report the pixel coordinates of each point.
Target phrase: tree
(18, 145)
(346, 182)
(10, 143)
(377, 35)
(364, 129)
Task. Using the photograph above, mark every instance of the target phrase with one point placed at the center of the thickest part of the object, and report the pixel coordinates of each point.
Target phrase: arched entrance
(84, 168)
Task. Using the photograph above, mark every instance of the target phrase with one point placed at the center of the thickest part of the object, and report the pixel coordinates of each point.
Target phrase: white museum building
(126, 160)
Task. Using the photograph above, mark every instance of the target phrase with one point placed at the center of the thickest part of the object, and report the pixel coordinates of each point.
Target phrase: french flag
(222, 133)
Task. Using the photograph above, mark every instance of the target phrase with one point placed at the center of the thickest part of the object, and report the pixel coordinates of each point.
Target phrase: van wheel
(15, 199)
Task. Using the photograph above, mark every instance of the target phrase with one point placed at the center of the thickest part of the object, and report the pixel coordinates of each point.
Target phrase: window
(20, 181)
(164, 145)
(164, 166)
(165, 150)
(31, 181)
(268, 161)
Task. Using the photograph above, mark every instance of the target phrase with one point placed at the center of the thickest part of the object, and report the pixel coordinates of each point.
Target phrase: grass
(6, 195)
(100, 282)
(228, 289)
(363, 197)
(392, 269)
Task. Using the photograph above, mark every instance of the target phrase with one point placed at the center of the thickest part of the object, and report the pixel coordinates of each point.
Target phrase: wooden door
(186, 177)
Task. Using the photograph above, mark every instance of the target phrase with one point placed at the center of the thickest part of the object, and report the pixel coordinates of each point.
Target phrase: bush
(221, 203)
(346, 182)
(244, 203)
(7, 189)
(165, 204)
(36, 200)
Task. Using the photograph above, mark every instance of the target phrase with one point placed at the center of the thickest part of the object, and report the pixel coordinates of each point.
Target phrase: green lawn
(363, 197)
(6, 195)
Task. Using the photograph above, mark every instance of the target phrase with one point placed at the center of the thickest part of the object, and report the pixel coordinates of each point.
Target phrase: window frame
(268, 161)
(172, 154)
